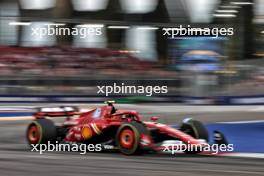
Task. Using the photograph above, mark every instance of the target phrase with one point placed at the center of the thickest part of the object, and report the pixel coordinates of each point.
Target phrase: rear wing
(56, 111)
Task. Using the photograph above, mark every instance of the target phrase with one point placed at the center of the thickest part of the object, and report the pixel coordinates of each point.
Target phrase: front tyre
(195, 129)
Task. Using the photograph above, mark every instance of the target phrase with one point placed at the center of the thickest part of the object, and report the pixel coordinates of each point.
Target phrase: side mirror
(154, 118)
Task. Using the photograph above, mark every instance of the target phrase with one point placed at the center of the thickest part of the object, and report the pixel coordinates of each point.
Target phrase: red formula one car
(106, 125)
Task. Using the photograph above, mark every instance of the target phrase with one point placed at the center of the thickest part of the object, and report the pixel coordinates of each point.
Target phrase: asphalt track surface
(17, 159)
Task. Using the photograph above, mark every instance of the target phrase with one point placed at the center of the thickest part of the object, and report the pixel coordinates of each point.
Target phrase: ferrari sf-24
(122, 129)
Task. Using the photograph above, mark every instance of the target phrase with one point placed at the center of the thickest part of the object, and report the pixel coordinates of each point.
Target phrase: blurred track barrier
(214, 100)
(14, 115)
(225, 100)
(85, 99)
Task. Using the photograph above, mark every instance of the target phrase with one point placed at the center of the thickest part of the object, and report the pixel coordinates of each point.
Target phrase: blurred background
(61, 70)
(132, 47)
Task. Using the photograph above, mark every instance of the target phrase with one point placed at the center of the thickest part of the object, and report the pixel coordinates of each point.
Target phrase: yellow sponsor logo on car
(86, 133)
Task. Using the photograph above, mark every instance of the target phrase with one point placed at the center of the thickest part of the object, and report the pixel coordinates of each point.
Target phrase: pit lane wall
(214, 100)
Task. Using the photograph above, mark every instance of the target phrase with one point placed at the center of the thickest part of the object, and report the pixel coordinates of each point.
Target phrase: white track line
(242, 122)
(244, 155)
(16, 118)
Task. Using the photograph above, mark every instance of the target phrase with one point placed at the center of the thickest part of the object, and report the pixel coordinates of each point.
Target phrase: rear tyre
(41, 131)
(197, 130)
(128, 138)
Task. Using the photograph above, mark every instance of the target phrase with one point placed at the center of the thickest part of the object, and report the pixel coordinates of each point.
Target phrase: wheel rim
(33, 134)
(127, 138)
